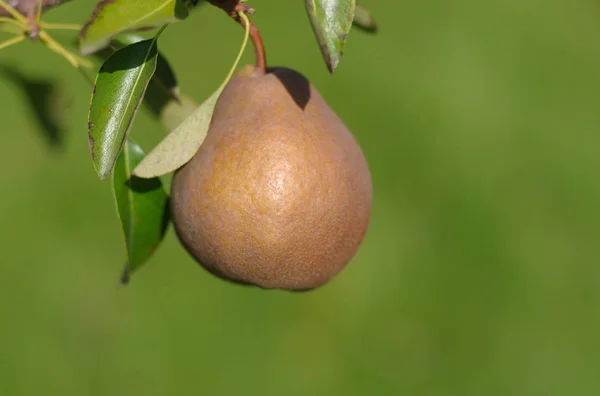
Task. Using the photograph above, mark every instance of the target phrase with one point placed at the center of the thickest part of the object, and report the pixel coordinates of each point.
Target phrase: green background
(480, 273)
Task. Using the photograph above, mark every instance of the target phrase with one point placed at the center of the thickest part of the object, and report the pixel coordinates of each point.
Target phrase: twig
(38, 12)
(12, 21)
(10, 29)
(75, 60)
(12, 41)
(12, 12)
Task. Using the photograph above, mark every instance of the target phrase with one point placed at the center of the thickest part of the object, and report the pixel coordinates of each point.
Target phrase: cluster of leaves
(133, 73)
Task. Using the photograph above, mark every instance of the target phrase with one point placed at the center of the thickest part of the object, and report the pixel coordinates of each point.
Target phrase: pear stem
(259, 47)
(233, 9)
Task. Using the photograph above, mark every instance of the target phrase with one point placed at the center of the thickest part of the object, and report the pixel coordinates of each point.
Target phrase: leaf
(164, 73)
(142, 207)
(181, 144)
(118, 93)
(364, 19)
(331, 21)
(163, 96)
(113, 17)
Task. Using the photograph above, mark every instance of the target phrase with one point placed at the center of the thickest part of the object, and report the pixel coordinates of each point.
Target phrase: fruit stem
(259, 47)
(233, 8)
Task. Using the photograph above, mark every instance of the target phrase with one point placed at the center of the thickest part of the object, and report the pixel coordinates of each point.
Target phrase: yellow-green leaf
(181, 144)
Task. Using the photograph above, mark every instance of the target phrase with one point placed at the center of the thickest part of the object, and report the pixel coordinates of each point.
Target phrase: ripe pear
(279, 194)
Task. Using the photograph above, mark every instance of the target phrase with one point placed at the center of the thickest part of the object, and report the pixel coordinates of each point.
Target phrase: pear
(279, 194)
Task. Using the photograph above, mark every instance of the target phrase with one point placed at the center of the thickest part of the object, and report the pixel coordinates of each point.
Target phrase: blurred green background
(480, 274)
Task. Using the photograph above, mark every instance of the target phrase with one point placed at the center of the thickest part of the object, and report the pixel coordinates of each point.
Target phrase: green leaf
(118, 93)
(364, 19)
(164, 72)
(180, 145)
(163, 96)
(142, 206)
(331, 21)
(113, 17)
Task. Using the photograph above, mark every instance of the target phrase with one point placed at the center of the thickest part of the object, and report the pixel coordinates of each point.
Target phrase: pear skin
(279, 195)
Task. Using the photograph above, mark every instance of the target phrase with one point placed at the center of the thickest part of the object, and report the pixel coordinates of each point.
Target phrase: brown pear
(279, 194)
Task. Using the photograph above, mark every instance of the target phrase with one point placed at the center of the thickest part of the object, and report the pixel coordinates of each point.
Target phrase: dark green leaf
(118, 93)
(364, 19)
(113, 17)
(331, 21)
(163, 96)
(142, 206)
(164, 73)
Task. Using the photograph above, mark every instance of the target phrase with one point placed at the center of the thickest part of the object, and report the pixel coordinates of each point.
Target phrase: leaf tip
(364, 20)
(125, 276)
(332, 64)
(138, 171)
(104, 169)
